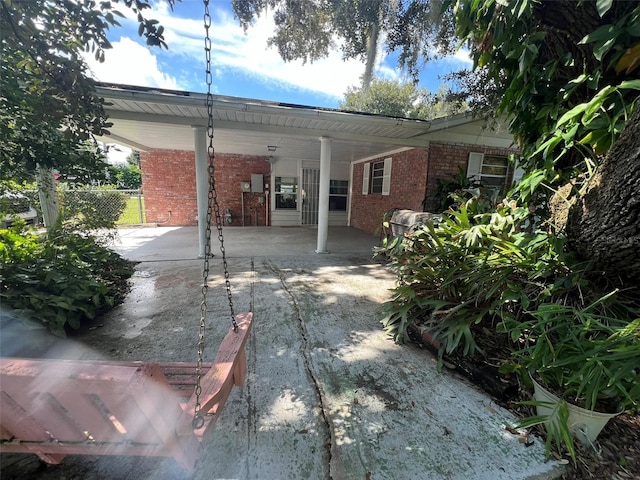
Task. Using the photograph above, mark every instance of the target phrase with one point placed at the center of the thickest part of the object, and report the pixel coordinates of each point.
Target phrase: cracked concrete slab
(328, 394)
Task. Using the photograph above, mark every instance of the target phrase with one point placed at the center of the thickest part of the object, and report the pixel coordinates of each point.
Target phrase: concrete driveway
(328, 394)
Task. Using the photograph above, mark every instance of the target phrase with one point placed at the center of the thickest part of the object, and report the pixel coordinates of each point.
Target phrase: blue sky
(243, 65)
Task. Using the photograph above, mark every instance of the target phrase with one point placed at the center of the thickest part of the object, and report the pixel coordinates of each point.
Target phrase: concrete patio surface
(328, 394)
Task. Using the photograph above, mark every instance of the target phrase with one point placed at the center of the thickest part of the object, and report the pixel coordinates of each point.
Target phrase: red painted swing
(54, 408)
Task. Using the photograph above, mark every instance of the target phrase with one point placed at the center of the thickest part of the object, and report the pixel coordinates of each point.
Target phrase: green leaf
(572, 114)
(531, 421)
(603, 34)
(523, 8)
(630, 84)
(603, 6)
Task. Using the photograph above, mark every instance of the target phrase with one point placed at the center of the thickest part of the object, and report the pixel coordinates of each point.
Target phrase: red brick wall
(231, 170)
(413, 179)
(408, 174)
(444, 160)
(169, 186)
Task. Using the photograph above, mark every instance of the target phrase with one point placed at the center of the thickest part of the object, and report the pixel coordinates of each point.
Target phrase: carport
(148, 118)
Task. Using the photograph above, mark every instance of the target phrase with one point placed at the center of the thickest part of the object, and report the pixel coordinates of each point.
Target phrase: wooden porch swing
(54, 408)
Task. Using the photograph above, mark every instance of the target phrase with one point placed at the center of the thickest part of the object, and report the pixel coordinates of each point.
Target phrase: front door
(310, 193)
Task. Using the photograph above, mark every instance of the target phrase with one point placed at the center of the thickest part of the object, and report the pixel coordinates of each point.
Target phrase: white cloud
(130, 63)
(463, 56)
(249, 55)
(234, 55)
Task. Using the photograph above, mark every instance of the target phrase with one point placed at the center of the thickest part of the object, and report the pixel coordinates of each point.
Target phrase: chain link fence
(125, 207)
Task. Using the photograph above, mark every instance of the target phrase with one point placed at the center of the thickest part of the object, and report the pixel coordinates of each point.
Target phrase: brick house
(289, 165)
(413, 176)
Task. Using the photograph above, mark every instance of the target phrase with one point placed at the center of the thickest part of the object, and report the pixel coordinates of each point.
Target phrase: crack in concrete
(308, 363)
(252, 411)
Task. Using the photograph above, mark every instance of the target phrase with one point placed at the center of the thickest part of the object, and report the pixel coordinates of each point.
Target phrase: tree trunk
(372, 53)
(603, 225)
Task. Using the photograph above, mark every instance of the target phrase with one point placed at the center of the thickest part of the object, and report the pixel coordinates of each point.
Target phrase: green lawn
(131, 213)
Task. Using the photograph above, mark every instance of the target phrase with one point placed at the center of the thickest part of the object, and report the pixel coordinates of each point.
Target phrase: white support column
(202, 184)
(323, 197)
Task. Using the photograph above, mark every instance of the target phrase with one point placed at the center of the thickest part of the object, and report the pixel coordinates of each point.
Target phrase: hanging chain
(213, 210)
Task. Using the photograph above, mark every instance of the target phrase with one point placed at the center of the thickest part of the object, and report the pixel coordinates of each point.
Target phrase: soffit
(145, 118)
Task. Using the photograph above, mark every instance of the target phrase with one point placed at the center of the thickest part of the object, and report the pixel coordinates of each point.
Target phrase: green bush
(60, 279)
(473, 267)
(447, 187)
(481, 269)
(126, 177)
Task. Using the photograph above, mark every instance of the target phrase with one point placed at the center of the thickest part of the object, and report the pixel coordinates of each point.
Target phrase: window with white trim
(338, 192)
(376, 177)
(286, 192)
(489, 170)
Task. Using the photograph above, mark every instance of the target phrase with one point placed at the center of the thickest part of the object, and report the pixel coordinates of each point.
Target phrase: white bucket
(584, 424)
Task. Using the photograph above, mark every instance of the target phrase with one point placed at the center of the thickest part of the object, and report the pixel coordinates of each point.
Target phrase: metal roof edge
(176, 97)
(443, 123)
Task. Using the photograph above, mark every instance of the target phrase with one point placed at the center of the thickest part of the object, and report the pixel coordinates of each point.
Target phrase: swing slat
(55, 408)
(229, 369)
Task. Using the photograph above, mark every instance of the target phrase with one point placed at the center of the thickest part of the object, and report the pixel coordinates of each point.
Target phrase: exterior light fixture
(272, 148)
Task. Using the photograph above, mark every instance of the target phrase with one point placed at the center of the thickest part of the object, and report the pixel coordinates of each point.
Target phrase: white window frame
(367, 182)
(475, 164)
(344, 195)
(294, 193)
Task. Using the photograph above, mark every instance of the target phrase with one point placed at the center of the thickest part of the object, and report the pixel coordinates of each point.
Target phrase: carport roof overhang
(148, 118)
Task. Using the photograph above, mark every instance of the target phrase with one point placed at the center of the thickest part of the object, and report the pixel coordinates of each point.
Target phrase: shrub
(446, 187)
(480, 267)
(61, 279)
(470, 268)
(584, 355)
(126, 177)
(479, 270)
